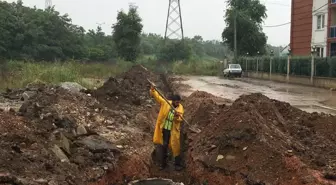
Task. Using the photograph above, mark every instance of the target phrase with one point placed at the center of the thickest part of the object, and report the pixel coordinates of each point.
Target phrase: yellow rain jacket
(174, 143)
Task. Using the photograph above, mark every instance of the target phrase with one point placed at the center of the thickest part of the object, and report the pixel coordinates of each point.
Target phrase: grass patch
(16, 74)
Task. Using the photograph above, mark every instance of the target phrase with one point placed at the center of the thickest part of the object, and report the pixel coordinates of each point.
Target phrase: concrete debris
(27, 94)
(81, 130)
(219, 157)
(65, 143)
(60, 154)
(97, 144)
(72, 87)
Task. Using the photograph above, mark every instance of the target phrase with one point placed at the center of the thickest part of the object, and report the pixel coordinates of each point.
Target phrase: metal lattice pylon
(48, 4)
(174, 26)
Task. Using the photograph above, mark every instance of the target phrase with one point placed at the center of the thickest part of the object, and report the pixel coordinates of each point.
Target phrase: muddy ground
(307, 98)
(104, 136)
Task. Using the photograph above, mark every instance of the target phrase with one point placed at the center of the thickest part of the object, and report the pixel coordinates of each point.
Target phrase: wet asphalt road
(309, 99)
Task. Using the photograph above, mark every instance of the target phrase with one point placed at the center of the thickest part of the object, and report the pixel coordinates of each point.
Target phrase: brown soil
(254, 141)
(262, 141)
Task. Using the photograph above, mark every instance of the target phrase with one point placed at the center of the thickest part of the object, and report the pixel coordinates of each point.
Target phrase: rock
(97, 144)
(120, 146)
(128, 114)
(72, 86)
(65, 143)
(230, 157)
(81, 130)
(79, 160)
(60, 154)
(109, 122)
(219, 157)
(27, 94)
(99, 118)
(110, 127)
(245, 148)
(43, 181)
(140, 119)
(65, 122)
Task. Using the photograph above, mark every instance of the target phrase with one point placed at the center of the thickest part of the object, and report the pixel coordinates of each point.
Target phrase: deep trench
(167, 90)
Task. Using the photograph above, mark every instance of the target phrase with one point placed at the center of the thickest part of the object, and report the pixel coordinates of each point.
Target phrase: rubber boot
(178, 163)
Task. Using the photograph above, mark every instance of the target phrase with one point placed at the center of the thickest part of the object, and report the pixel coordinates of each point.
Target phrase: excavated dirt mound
(201, 107)
(263, 141)
(129, 90)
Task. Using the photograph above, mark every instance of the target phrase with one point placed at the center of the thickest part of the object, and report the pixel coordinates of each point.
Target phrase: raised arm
(156, 96)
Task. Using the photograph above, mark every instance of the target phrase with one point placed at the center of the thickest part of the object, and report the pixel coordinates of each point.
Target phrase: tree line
(33, 34)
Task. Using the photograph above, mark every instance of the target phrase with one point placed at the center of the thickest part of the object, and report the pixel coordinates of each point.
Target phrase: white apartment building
(320, 27)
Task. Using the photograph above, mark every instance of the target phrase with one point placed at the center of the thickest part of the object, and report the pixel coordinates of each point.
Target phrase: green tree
(174, 50)
(249, 16)
(126, 34)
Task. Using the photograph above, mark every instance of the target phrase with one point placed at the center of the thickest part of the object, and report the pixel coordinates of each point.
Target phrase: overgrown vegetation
(37, 45)
(17, 74)
(32, 34)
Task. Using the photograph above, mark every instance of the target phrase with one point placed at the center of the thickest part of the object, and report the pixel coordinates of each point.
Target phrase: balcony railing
(333, 1)
(332, 31)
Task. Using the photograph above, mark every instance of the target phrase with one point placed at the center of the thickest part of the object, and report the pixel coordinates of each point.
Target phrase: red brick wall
(301, 27)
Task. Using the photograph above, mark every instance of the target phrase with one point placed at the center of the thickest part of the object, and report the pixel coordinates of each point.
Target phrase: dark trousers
(165, 146)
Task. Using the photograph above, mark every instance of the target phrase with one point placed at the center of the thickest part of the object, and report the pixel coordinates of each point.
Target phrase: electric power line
(320, 7)
(273, 26)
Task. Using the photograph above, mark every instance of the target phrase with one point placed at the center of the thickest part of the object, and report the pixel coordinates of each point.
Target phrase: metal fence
(302, 66)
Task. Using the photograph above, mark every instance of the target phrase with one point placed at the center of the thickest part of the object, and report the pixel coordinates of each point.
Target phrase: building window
(320, 21)
(320, 52)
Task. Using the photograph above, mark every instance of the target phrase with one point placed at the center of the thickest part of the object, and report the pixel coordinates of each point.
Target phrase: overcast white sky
(200, 17)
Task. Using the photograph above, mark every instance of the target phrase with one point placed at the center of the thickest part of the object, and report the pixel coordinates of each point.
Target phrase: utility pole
(48, 4)
(313, 52)
(174, 25)
(235, 34)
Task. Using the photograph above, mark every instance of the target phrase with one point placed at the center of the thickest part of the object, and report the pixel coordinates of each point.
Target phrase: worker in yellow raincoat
(167, 128)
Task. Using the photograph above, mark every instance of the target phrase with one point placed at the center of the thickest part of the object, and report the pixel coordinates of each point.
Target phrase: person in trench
(168, 128)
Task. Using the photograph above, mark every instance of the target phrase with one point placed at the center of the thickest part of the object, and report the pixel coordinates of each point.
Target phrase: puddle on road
(316, 108)
(309, 99)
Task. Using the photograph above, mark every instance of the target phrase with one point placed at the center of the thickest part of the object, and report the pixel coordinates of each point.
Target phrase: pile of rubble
(56, 139)
(61, 135)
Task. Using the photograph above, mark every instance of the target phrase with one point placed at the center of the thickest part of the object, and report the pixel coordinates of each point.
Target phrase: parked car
(233, 70)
